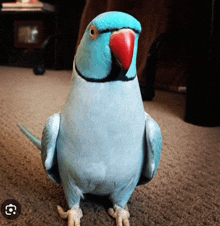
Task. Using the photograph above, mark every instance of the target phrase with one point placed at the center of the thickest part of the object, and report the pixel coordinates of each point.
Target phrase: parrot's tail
(33, 139)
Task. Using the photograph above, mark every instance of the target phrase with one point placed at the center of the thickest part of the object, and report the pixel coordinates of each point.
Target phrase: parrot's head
(108, 49)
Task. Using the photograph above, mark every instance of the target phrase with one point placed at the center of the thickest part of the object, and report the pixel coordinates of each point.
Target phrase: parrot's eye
(94, 33)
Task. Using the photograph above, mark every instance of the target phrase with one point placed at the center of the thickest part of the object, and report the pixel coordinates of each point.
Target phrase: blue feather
(102, 142)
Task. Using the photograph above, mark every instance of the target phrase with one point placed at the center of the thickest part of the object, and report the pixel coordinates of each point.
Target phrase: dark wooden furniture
(61, 26)
(15, 53)
(203, 84)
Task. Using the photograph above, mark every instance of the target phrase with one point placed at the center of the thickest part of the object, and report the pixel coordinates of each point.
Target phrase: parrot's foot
(121, 215)
(73, 215)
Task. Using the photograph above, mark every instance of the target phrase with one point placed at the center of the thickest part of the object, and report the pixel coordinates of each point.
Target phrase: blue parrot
(102, 142)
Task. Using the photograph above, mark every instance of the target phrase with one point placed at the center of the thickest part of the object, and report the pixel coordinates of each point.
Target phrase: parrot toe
(73, 215)
(120, 214)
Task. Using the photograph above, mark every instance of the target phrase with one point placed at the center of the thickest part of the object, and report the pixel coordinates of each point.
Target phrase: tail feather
(33, 139)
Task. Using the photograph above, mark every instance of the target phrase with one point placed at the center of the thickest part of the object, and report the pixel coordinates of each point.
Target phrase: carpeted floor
(185, 191)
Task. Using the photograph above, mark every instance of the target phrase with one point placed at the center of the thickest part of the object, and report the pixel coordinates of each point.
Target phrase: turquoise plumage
(102, 142)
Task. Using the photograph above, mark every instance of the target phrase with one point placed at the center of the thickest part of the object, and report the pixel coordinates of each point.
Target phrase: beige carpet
(185, 191)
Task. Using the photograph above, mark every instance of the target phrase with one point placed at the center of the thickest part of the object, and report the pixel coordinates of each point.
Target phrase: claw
(121, 215)
(73, 215)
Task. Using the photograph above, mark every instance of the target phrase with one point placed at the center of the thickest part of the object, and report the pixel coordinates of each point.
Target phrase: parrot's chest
(101, 138)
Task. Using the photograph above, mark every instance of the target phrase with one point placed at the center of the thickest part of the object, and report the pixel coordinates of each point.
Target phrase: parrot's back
(103, 125)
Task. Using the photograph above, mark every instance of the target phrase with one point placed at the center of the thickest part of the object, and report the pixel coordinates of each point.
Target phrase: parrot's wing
(48, 147)
(152, 150)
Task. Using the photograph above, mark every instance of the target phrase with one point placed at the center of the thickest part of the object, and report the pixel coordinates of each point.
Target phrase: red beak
(122, 45)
